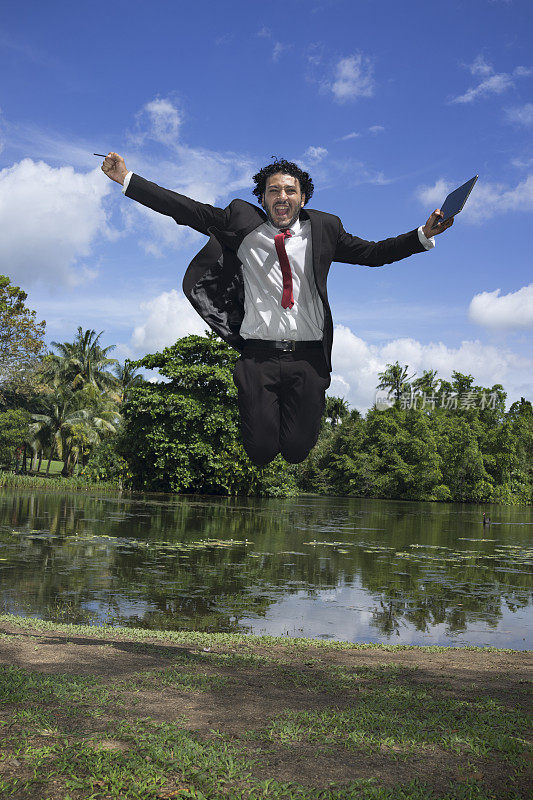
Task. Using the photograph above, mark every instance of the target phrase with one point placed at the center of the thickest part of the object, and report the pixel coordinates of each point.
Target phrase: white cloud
(170, 316)
(156, 233)
(434, 195)
(159, 120)
(523, 115)
(495, 84)
(481, 67)
(373, 129)
(205, 175)
(356, 365)
(522, 163)
(47, 145)
(486, 200)
(49, 220)
(279, 49)
(315, 154)
(492, 82)
(315, 53)
(513, 310)
(352, 135)
(338, 387)
(225, 38)
(353, 78)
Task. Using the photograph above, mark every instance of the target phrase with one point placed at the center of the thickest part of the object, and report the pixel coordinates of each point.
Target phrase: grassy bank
(119, 713)
(54, 481)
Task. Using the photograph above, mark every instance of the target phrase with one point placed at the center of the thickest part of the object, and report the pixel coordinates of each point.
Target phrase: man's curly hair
(288, 168)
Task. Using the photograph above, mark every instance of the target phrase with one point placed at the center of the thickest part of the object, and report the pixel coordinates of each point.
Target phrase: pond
(323, 567)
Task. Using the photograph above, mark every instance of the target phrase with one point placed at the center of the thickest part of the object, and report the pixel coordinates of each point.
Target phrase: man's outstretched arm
(352, 250)
(182, 209)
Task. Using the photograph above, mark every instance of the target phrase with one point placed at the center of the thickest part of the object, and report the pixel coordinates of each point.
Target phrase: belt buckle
(288, 345)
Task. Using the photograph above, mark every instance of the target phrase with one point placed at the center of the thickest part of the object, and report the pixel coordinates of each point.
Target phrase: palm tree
(127, 377)
(336, 410)
(80, 363)
(428, 383)
(69, 427)
(395, 379)
(36, 445)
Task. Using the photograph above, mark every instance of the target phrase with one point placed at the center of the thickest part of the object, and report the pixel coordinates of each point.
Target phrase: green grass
(20, 686)
(157, 760)
(177, 678)
(200, 638)
(404, 720)
(80, 737)
(52, 482)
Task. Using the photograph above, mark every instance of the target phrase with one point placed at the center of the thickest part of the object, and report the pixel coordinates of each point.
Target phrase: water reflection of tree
(213, 587)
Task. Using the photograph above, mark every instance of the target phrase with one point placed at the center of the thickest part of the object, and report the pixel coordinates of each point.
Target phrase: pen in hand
(114, 167)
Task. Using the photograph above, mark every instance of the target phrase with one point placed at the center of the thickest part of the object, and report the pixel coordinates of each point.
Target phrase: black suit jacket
(213, 282)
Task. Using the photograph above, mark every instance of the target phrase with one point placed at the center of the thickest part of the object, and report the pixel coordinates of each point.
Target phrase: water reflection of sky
(339, 568)
(345, 615)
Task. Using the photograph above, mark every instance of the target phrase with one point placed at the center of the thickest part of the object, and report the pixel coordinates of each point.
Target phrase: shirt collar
(295, 229)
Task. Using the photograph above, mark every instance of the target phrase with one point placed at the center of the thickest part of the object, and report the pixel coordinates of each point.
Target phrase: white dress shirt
(264, 316)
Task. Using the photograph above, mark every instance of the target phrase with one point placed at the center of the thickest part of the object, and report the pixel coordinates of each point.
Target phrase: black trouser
(281, 401)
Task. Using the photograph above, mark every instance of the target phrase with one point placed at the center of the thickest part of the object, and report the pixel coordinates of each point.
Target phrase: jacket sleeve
(182, 209)
(352, 250)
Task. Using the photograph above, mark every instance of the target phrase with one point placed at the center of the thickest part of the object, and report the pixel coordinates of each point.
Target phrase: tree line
(62, 404)
(424, 438)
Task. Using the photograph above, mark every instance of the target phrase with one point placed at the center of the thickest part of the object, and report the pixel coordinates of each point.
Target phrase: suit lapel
(233, 239)
(316, 239)
(241, 234)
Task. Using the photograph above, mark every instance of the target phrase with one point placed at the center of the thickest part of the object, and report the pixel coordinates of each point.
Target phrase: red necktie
(287, 300)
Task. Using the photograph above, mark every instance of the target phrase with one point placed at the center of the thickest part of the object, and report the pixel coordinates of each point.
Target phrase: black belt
(285, 345)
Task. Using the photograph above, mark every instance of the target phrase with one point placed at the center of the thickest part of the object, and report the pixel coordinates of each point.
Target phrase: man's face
(282, 200)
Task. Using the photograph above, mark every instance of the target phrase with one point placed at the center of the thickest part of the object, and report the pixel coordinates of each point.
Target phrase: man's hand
(114, 167)
(428, 228)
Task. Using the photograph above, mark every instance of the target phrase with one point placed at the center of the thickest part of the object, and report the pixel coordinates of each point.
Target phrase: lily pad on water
(464, 539)
(330, 544)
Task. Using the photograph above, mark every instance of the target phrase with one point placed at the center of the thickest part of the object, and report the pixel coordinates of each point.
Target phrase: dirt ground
(257, 693)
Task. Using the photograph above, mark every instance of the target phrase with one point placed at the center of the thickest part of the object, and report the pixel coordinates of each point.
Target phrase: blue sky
(387, 105)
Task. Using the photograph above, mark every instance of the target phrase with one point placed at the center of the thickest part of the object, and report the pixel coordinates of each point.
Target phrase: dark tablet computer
(455, 201)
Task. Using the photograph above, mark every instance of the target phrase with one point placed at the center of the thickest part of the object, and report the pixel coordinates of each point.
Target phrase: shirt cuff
(427, 243)
(127, 183)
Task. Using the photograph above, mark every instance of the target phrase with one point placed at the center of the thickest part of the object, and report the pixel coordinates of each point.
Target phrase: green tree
(81, 363)
(106, 464)
(14, 433)
(69, 426)
(395, 379)
(428, 383)
(467, 451)
(21, 336)
(462, 383)
(336, 410)
(345, 466)
(126, 378)
(520, 420)
(183, 435)
(463, 466)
